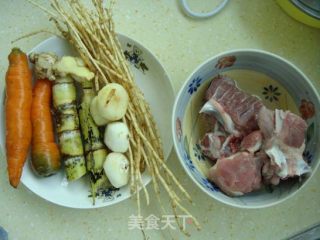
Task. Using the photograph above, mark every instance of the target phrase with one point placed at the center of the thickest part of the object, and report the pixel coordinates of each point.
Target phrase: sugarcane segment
(95, 150)
(68, 127)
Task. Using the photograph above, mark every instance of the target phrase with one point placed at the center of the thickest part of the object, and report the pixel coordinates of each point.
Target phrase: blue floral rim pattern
(198, 176)
(194, 85)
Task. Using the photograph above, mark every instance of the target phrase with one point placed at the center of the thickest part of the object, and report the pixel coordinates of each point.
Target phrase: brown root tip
(14, 183)
(14, 173)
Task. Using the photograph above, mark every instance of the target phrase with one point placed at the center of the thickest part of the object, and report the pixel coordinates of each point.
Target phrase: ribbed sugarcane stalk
(70, 142)
(95, 150)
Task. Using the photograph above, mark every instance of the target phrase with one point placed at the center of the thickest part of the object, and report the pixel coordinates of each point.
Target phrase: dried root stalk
(92, 34)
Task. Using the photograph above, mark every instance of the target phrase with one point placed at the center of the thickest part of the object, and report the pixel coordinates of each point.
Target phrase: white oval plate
(156, 86)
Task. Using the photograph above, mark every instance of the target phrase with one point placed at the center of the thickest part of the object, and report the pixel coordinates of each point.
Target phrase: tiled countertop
(181, 44)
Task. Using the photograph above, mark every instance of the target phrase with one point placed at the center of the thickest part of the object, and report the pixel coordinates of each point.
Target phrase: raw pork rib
(233, 108)
(215, 83)
(211, 144)
(218, 143)
(237, 174)
(284, 134)
(252, 142)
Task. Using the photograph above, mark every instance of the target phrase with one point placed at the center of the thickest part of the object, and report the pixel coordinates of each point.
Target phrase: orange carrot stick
(18, 109)
(45, 155)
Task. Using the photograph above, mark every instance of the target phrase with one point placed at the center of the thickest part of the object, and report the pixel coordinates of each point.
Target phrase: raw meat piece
(218, 144)
(211, 144)
(269, 173)
(266, 122)
(208, 122)
(237, 174)
(284, 143)
(290, 128)
(224, 118)
(234, 109)
(252, 142)
(289, 160)
(215, 83)
(230, 146)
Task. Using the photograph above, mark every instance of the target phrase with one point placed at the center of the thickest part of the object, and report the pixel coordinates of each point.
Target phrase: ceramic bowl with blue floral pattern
(278, 83)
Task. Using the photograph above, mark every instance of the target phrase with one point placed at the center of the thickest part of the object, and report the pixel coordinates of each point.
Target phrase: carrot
(18, 109)
(45, 155)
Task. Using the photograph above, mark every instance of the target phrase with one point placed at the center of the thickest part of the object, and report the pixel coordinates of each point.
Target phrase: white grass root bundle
(92, 34)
